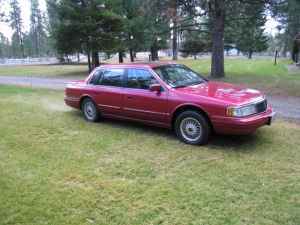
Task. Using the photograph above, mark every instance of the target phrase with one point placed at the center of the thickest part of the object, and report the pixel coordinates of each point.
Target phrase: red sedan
(171, 96)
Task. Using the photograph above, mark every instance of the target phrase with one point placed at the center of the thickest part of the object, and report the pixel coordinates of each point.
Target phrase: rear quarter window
(111, 77)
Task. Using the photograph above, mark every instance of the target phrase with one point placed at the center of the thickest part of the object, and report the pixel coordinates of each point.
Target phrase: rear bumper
(247, 125)
(72, 102)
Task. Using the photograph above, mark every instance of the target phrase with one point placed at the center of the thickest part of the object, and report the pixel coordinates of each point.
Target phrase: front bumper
(247, 125)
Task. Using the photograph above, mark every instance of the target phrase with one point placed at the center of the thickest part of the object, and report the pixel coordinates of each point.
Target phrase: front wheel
(192, 128)
(90, 110)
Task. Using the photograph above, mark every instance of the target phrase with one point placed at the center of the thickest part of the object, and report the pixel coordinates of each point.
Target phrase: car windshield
(178, 75)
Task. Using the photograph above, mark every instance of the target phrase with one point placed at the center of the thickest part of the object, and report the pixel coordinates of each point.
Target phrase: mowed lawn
(260, 73)
(54, 70)
(56, 168)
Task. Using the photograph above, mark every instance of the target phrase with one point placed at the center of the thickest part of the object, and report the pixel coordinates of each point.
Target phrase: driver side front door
(141, 103)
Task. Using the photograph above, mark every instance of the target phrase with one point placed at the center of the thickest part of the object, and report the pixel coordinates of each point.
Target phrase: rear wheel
(90, 110)
(192, 128)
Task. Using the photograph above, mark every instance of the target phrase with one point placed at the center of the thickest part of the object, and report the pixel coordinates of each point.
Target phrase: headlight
(241, 111)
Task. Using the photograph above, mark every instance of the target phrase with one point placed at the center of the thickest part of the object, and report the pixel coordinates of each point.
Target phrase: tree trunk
(154, 53)
(276, 55)
(218, 17)
(121, 57)
(284, 50)
(296, 57)
(131, 55)
(78, 57)
(22, 48)
(286, 46)
(20, 39)
(295, 52)
(95, 59)
(89, 61)
(250, 53)
(36, 43)
(175, 32)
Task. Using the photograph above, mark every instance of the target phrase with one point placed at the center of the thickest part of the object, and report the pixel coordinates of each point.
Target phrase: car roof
(138, 65)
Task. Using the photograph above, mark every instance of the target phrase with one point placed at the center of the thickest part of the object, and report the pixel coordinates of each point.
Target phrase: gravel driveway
(36, 82)
(286, 107)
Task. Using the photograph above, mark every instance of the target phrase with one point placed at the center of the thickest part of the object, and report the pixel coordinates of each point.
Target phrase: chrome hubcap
(89, 110)
(190, 129)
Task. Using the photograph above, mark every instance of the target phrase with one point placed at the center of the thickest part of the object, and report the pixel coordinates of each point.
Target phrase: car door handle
(129, 97)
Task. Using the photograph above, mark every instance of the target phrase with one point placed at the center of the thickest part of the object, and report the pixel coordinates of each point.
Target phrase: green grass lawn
(56, 168)
(255, 73)
(45, 70)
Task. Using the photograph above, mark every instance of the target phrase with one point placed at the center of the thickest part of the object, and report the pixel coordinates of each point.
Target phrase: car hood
(224, 92)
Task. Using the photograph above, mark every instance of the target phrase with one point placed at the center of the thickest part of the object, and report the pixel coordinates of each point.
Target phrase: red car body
(159, 108)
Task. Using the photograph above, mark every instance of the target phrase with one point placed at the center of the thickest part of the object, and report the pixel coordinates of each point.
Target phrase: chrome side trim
(109, 106)
(146, 111)
(73, 99)
(160, 124)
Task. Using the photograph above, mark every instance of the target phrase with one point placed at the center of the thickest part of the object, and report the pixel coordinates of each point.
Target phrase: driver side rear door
(108, 90)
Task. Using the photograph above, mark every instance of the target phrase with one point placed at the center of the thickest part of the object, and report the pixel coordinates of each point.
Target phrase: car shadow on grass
(239, 143)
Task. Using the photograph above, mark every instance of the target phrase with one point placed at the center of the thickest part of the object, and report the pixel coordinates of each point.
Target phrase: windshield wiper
(180, 86)
(189, 84)
(196, 83)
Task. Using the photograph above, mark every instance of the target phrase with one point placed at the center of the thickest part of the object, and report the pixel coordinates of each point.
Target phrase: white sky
(25, 13)
(25, 9)
(271, 25)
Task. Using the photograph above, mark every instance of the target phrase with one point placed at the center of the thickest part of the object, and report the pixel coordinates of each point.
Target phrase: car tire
(90, 110)
(192, 127)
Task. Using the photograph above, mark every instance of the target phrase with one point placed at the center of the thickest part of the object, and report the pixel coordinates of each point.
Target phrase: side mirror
(155, 87)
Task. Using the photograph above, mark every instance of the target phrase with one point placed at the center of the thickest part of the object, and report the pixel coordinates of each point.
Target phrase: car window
(140, 79)
(111, 77)
(96, 76)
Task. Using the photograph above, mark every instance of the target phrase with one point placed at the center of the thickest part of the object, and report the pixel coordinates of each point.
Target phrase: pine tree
(219, 13)
(2, 13)
(88, 25)
(133, 37)
(5, 48)
(157, 26)
(16, 25)
(287, 13)
(195, 42)
(183, 15)
(37, 28)
(249, 34)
